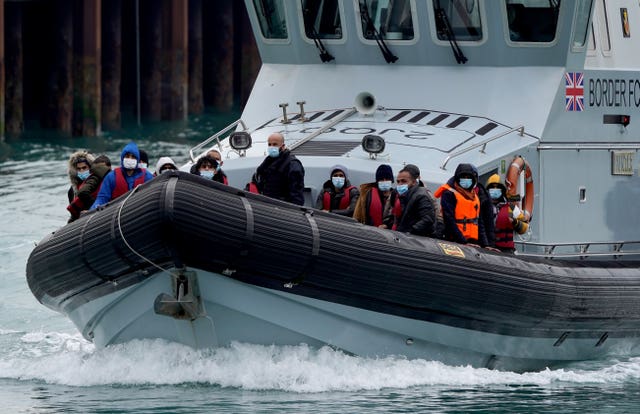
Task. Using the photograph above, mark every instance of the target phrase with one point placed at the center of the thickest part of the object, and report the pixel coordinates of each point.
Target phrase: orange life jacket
(466, 214)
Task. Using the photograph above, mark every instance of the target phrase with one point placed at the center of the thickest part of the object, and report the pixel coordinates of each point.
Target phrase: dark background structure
(83, 66)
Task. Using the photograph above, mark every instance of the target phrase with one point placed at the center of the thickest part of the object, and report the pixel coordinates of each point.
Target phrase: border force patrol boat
(551, 84)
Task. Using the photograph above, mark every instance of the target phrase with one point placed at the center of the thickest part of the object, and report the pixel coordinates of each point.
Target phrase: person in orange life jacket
(124, 178)
(461, 207)
(206, 167)
(164, 164)
(418, 214)
(281, 174)
(88, 192)
(507, 218)
(338, 195)
(219, 175)
(378, 200)
(438, 227)
(486, 212)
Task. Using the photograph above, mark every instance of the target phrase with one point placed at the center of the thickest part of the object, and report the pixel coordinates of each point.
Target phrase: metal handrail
(549, 249)
(216, 136)
(482, 144)
(323, 129)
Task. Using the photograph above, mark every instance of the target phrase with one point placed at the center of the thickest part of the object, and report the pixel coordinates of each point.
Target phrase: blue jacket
(109, 182)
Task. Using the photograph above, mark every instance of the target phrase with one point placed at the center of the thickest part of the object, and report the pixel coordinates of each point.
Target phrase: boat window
(272, 19)
(322, 19)
(533, 20)
(581, 24)
(463, 17)
(392, 19)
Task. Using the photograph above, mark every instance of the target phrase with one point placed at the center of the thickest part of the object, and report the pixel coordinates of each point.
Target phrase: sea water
(47, 367)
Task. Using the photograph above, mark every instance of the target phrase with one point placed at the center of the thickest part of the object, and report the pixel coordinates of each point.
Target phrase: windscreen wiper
(444, 29)
(366, 19)
(310, 28)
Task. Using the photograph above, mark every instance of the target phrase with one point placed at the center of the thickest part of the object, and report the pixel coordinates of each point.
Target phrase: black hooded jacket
(418, 213)
(281, 177)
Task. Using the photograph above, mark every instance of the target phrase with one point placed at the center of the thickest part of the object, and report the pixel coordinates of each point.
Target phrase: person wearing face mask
(507, 219)
(206, 167)
(378, 200)
(219, 175)
(79, 167)
(338, 195)
(461, 207)
(281, 174)
(165, 164)
(418, 214)
(124, 178)
(144, 160)
(88, 192)
(438, 228)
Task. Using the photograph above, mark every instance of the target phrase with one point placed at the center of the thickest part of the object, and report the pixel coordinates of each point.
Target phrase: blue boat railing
(482, 144)
(571, 250)
(216, 137)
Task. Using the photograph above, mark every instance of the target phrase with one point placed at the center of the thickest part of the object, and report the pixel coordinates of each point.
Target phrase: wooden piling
(57, 113)
(248, 64)
(87, 92)
(174, 58)
(219, 55)
(151, 59)
(2, 74)
(196, 97)
(111, 64)
(14, 81)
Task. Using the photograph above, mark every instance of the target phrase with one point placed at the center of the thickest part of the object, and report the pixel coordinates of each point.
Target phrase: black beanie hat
(384, 173)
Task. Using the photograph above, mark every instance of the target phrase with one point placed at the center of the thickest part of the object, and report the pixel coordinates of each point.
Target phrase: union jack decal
(574, 84)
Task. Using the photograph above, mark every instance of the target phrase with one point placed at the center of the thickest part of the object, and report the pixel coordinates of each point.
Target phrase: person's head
(144, 159)
(404, 181)
(275, 144)
(130, 156)
(384, 177)
(414, 171)
(102, 159)
(338, 176)
(80, 165)
(206, 167)
(215, 154)
(165, 164)
(466, 176)
(497, 191)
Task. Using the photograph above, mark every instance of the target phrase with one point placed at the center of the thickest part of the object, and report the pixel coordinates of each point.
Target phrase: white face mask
(143, 165)
(129, 163)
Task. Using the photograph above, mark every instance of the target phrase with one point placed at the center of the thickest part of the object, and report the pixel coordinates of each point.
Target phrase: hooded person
(338, 196)
(144, 160)
(88, 192)
(79, 170)
(417, 215)
(378, 200)
(165, 164)
(124, 178)
(507, 218)
(461, 207)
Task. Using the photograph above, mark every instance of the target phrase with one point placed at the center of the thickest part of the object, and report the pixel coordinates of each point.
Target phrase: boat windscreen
(533, 20)
(392, 19)
(322, 19)
(463, 17)
(271, 16)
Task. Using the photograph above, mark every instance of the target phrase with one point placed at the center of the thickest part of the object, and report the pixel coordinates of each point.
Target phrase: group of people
(467, 211)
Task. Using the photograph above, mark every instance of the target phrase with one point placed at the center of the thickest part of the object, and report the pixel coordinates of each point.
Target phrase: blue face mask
(338, 182)
(273, 152)
(84, 175)
(465, 183)
(206, 174)
(384, 185)
(495, 193)
(402, 188)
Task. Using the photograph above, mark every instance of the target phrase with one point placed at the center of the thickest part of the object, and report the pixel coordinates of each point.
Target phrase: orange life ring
(518, 165)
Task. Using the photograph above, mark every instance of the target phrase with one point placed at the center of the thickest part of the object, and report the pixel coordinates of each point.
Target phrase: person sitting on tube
(338, 196)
